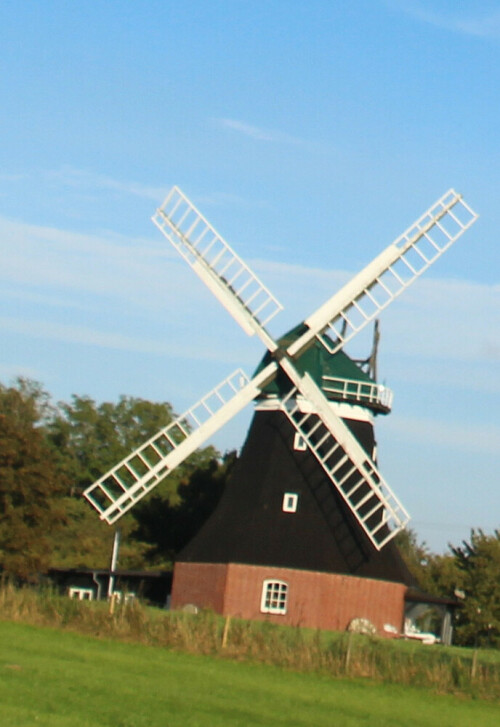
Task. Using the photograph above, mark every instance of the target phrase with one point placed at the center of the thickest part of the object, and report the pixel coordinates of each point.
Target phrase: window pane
(274, 597)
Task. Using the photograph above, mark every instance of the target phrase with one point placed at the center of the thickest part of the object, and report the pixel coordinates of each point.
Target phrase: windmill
(304, 531)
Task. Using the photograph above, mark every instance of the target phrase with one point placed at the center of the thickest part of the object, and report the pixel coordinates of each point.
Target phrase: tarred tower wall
(249, 524)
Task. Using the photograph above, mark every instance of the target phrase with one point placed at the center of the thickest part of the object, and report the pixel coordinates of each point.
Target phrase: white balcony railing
(362, 392)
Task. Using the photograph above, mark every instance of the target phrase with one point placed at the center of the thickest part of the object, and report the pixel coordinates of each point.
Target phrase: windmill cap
(338, 375)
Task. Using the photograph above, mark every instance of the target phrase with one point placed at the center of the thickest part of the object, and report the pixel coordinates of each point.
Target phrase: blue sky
(310, 135)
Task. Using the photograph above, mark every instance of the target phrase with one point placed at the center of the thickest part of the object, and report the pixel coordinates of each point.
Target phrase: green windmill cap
(318, 363)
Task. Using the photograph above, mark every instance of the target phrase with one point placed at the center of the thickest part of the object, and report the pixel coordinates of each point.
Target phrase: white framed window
(81, 594)
(299, 443)
(290, 502)
(121, 597)
(274, 597)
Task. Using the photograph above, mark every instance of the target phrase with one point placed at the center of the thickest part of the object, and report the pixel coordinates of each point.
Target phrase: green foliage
(30, 487)
(479, 563)
(438, 575)
(416, 555)
(53, 453)
(87, 541)
(471, 571)
(91, 438)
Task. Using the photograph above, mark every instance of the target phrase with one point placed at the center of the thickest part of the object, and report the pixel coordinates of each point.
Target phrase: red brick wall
(316, 600)
(202, 584)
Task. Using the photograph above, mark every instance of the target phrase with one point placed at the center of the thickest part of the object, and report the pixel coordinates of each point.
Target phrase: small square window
(81, 594)
(290, 502)
(299, 443)
(274, 597)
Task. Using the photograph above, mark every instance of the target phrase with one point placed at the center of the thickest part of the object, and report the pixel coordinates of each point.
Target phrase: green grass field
(61, 679)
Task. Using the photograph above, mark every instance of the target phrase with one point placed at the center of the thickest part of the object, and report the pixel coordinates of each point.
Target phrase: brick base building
(288, 596)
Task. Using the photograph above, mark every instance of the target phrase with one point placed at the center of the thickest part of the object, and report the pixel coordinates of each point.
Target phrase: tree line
(49, 453)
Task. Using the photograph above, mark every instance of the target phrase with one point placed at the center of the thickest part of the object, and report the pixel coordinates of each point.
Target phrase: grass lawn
(61, 679)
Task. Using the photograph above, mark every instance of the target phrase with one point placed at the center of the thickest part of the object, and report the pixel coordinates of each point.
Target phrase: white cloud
(50, 261)
(22, 295)
(53, 266)
(448, 327)
(11, 372)
(84, 179)
(445, 434)
(487, 26)
(129, 289)
(474, 376)
(257, 133)
(12, 177)
(219, 199)
(86, 336)
(484, 23)
(454, 319)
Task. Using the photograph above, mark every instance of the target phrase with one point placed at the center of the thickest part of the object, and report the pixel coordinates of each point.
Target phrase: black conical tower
(251, 526)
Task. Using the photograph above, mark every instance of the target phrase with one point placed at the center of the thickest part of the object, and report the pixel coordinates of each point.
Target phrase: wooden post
(348, 653)
(226, 631)
(112, 601)
(473, 668)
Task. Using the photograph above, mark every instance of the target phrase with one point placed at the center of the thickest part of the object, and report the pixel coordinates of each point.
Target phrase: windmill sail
(394, 270)
(136, 475)
(232, 282)
(352, 472)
